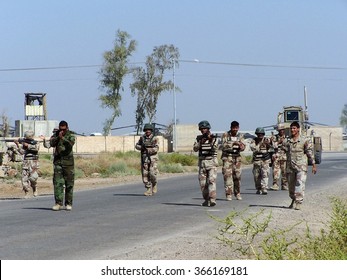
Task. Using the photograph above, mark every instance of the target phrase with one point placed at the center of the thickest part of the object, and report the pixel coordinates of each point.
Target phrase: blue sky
(305, 38)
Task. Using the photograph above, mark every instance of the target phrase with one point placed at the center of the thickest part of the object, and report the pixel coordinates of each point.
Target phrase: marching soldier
(206, 145)
(232, 145)
(279, 160)
(260, 146)
(148, 144)
(296, 147)
(29, 148)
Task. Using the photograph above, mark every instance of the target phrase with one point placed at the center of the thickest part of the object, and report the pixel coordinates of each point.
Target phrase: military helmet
(204, 124)
(29, 134)
(280, 126)
(260, 130)
(147, 126)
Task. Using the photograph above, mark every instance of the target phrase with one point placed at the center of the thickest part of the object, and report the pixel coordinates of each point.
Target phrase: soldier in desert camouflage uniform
(279, 160)
(64, 166)
(298, 148)
(148, 144)
(232, 145)
(29, 148)
(206, 145)
(260, 146)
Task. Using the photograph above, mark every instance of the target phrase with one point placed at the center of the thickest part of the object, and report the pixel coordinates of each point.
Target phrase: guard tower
(35, 106)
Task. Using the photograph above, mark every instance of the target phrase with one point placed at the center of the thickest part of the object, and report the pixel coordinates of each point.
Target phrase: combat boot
(238, 197)
(35, 193)
(229, 197)
(284, 188)
(68, 207)
(292, 204)
(297, 206)
(264, 191)
(274, 187)
(212, 202)
(26, 195)
(148, 192)
(57, 207)
(155, 189)
(258, 192)
(206, 203)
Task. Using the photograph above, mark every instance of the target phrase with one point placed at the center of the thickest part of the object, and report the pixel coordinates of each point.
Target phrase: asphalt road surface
(111, 221)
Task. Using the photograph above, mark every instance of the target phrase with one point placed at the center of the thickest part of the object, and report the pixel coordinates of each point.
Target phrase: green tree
(343, 118)
(149, 82)
(113, 71)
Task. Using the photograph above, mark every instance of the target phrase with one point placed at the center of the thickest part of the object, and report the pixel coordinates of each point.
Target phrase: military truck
(299, 114)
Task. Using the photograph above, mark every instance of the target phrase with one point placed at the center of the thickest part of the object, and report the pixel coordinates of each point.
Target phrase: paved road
(115, 220)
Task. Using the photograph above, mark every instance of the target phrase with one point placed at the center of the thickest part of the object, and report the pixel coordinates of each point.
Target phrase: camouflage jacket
(207, 150)
(261, 148)
(29, 152)
(297, 153)
(231, 144)
(277, 141)
(149, 146)
(63, 152)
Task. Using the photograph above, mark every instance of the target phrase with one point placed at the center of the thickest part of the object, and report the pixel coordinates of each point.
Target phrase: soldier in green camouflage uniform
(279, 160)
(260, 146)
(207, 147)
(232, 145)
(29, 148)
(298, 149)
(64, 166)
(148, 144)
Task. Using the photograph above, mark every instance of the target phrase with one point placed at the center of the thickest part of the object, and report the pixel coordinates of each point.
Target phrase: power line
(197, 61)
(48, 68)
(264, 65)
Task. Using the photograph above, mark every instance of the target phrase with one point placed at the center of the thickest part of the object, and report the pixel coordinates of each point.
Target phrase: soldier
(207, 147)
(260, 147)
(29, 148)
(296, 147)
(148, 144)
(232, 145)
(279, 160)
(64, 174)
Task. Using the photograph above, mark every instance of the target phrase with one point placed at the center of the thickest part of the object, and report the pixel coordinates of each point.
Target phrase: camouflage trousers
(278, 169)
(30, 174)
(63, 180)
(261, 171)
(296, 183)
(231, 171)
(208, 178)
(149, 173)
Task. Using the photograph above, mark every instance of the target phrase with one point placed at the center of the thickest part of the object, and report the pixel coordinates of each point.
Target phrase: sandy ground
(197, 244)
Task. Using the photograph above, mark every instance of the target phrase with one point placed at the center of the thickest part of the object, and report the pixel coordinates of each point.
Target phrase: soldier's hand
(314, 168)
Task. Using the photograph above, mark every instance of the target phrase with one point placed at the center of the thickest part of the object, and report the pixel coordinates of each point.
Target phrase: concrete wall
(186, 135)
(99, 144)
(331, 137)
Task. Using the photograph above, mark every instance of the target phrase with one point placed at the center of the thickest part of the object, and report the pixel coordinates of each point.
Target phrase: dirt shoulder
(12, 189)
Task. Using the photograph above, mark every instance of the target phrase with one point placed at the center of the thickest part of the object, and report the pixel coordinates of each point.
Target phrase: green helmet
(260, 130)
(204, 124)
(147, 126)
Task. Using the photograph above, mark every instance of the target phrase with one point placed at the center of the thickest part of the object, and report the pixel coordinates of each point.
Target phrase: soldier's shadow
(268, 206)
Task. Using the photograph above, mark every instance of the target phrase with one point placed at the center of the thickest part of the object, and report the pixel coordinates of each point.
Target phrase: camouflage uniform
(279, 163)
(261, 161)
(208, 163)
(148, 144)
(231, 158)
(297, 153)
(64, 167)
(30, 165)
